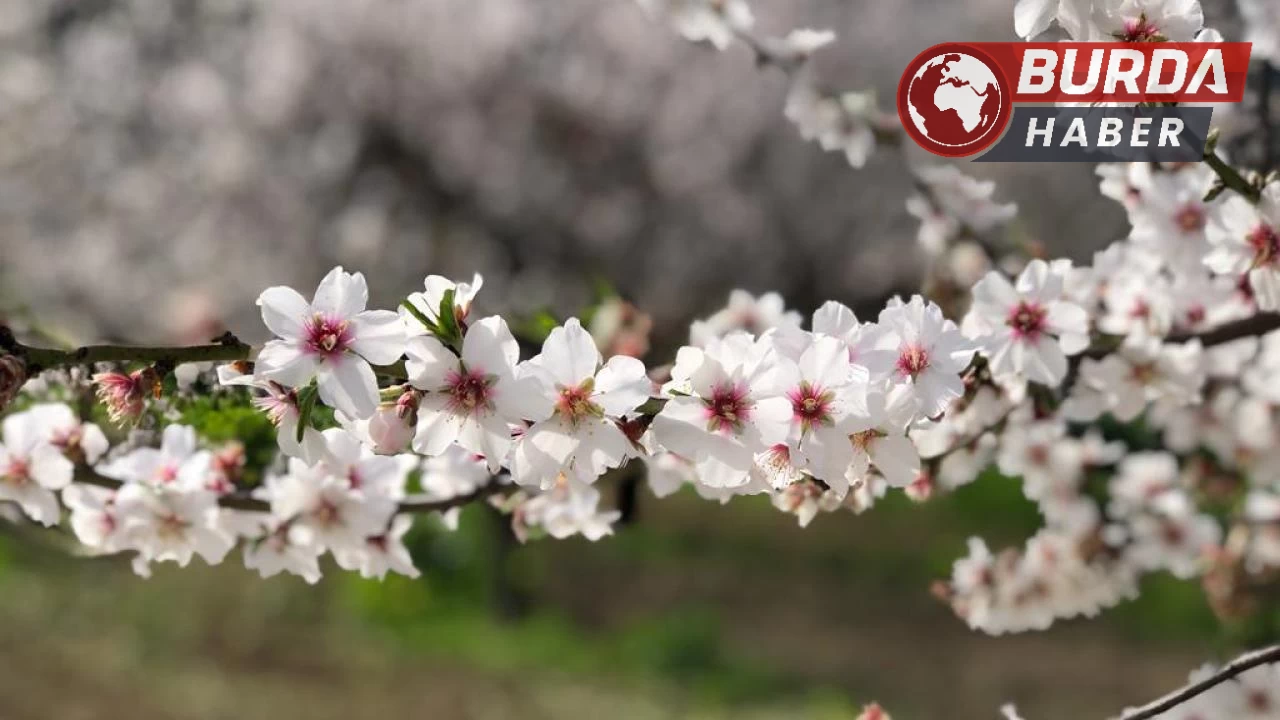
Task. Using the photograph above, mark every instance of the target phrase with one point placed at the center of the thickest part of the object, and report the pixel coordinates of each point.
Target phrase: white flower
(1171, 536)
(79, 442)
(716, 21)
(586, 400)
(281, 551)
(171, 523)
(1137, 303)
(744, 312)
(332, 339)
(427, 303)
(1146, 20)
(1246, 240)
(926, 350)
(823, 388)
(323, 509)
(1027, 331)
(1051, 464)
(838, 321)
(879, 439)
(453, 473)
(280, 404)
(178, 462)
(471, 400)
(723, 408)
(844, 123)
(93, 516)
(1144, 370)
(381, 553)
(31, 468)
(951, 202)
(345, 456)
(570, 508)
(1032, 17)
(1171, 216)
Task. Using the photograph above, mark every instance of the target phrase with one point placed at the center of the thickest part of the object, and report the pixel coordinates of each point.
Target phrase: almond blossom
(584, 400)
(927, 351)
(1246, 241)
(31, 467)
(473, 399)
(1027, 330)
(724, 406)
(332, 339)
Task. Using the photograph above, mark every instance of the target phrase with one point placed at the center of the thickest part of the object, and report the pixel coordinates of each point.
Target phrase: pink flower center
(327, 336)
(18, 472)
(469, 391)
(1144, 373)
(327, 514)
(1027, 320)
(811, 405)
(166, 473)
(1190, 218)
(727, 408)
(1196, 314)
(913, 359)
(1140, 29)
(1266, 245)
(172, 527)
(278, 403)
(574, 403)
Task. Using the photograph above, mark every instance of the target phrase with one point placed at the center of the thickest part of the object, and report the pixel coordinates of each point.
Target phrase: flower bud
(391, 426)
(125, 395)
(13, 375)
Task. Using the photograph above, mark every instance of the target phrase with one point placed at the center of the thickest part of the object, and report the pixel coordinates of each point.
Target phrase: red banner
(1152, 72)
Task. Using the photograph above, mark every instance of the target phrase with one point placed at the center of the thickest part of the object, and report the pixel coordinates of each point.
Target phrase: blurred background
(162, 161)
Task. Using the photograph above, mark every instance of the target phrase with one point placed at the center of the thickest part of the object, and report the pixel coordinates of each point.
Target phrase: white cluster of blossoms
(1251, 695)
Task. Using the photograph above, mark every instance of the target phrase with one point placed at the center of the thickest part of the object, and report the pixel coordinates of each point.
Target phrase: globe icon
(954, 99)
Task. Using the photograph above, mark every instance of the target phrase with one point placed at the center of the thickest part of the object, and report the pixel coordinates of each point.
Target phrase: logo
(954, 100)
(1116, 101)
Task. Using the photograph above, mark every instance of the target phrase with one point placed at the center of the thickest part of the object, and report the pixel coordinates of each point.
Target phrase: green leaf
(416, 313)
(306, 404)
(448, 331)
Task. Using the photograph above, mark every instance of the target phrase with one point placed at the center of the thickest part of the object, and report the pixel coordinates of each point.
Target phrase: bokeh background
(161, 161)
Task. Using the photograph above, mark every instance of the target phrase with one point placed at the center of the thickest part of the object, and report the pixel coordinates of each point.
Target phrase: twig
(1241, 664)
(1232, 178)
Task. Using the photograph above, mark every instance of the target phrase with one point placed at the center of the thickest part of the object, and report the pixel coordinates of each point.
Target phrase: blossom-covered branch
(1264, 662)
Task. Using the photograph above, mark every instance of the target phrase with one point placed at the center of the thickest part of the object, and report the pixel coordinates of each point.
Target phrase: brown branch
(1241, 664)
(225, 348)
(241, 500)
(1252, 326)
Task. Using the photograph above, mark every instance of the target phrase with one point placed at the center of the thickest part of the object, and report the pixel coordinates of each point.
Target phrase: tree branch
(1253, 326)
(226, 348)
(241, 500)
(1241, 664)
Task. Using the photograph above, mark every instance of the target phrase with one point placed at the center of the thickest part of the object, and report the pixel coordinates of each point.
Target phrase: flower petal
(347, 383)
(379, 336)
(284, 310)
(341, 294)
